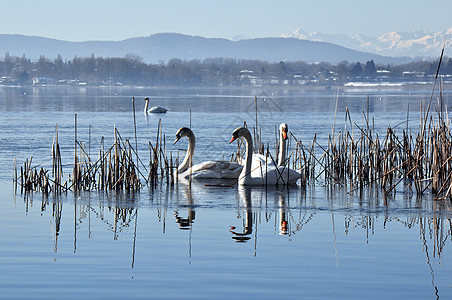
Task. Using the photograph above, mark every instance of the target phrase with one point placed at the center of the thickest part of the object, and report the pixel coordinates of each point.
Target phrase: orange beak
(284, 134)
(233, 139)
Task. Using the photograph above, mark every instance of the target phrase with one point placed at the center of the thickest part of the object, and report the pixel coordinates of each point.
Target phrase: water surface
(204, 242)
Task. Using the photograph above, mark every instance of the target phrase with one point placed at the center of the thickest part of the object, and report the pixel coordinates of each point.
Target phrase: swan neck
(282, 150)
(248, 156)
(188, 155)
(146, 104)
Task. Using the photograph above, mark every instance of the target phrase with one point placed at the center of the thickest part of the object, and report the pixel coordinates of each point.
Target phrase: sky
(114, 20)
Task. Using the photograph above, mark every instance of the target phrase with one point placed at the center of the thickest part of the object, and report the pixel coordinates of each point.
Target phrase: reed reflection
(118, 211)
(290, 211)
(431, 217)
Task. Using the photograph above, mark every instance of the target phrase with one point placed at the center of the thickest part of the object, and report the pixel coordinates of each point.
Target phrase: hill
(166, 46)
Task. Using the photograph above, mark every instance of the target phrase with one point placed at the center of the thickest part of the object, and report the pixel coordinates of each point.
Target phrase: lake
(214, 242)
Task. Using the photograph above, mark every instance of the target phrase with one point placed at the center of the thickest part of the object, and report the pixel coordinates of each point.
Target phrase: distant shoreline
(333, 88)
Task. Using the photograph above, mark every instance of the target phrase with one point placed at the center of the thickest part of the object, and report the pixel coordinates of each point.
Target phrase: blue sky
(84, 20)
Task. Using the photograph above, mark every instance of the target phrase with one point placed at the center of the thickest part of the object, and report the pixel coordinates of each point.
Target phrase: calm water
(209, 242)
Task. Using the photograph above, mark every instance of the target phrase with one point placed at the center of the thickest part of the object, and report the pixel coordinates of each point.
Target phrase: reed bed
(421, 160)
(355, 157)
(116, 168)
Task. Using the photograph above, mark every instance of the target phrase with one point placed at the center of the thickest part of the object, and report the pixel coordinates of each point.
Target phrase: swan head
(239, 132)
(283, 129)
(146, 99)
(183, 131)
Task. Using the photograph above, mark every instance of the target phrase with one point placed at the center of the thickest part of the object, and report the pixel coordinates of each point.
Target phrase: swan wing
(157, 109)
(215, 170)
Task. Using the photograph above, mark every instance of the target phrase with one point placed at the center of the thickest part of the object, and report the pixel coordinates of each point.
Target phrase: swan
(265, 174)
(206, 170)
(154, 109)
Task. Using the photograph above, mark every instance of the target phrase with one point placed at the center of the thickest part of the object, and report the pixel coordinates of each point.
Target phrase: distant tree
(447, 70)
(7, 65)
(21, 76)
(283, 67)
(370, 68)
(45, 67)
(132, 70)
(59, 64)
(341, 70)
(134, 57)
(433, 67)
(356, 70)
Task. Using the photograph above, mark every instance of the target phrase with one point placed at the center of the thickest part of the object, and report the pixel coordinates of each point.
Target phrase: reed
(357, 157)
(116, 168)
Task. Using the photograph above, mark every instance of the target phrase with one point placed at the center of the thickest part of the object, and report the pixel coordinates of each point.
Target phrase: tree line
(132, 70)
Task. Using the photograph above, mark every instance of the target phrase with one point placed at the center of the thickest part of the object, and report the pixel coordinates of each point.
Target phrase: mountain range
(296, 46)
(420, 43)
(166, 46)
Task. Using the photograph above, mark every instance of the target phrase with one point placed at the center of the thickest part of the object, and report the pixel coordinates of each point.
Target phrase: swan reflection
(186, 222)
(244, 235)
(280, 198)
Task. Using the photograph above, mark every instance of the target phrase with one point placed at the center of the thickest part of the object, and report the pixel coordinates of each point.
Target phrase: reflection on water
(268, 220)
(247, 216)
(289, 211)
(186, 223)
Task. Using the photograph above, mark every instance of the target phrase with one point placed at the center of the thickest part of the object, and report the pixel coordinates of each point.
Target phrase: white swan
(154, 109)
(268, 174)
(206, 170)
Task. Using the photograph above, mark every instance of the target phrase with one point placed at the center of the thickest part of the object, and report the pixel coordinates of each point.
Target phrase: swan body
(259, 160)
(154, 109)
(220, 169)
(263, 174)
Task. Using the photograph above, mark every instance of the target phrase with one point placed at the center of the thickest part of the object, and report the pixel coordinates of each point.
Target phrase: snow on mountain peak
(296, 33)
(390, 37)
(414, 44)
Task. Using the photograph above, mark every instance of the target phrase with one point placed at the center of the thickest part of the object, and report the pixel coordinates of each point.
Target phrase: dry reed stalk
(422, 157)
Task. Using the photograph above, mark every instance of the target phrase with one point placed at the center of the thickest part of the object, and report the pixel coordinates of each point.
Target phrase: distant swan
(265, 174)
(154, 109)
(206, 170)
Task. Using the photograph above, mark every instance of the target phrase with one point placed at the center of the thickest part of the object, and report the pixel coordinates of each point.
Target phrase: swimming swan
(268, 174)
(154, 109)
(206, 170)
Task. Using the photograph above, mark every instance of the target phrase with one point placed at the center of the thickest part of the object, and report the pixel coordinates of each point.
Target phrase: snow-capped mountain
(418, 43)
